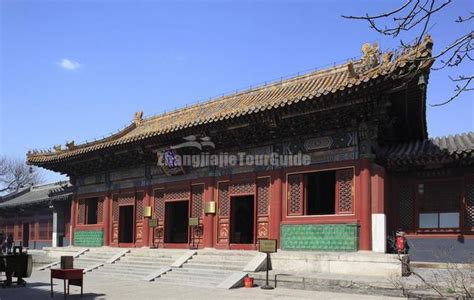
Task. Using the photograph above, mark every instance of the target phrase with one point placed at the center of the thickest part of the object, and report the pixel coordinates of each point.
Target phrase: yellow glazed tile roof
(301, 88)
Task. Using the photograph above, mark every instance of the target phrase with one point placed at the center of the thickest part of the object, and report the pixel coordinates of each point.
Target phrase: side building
(38, 216)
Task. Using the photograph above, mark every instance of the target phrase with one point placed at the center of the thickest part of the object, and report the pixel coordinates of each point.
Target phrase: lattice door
(159, 214)
(100, 210)
(263, 207)
(295, 195)
(122, 199)
(139, 217)
(81, 214)
(344, 191)
(197, 211)
(223, 213)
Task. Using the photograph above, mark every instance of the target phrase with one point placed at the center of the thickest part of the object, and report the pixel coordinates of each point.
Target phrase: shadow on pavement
(41, 290)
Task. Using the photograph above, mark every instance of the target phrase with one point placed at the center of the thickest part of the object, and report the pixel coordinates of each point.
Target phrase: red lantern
(400, 242)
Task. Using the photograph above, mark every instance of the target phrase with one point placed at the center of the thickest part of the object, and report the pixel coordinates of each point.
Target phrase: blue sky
(79, 70)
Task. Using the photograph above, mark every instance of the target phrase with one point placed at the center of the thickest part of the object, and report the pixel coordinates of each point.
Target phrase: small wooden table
(72, 276)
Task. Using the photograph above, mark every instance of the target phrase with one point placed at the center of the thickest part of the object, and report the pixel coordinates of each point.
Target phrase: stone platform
(344, 263)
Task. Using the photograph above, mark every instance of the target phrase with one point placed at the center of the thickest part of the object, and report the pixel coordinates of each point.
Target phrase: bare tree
(15, 174)
(418, 15)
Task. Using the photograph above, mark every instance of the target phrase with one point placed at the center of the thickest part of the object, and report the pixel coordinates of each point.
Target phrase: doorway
(176, 221)
(25, 234)
(242, 226)
(126, 222)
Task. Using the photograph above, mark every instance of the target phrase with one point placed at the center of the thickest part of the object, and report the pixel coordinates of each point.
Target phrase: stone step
(226, 253)
(195, 276)
(118, 276)
(145, 261)
(202, 272)
(89, 259)
(148, 266)
(104, 256)
(134, 256)
(200, 284)
(220, 259)
(218, 262)
(124, 272)
(132, 268)
(199, 265)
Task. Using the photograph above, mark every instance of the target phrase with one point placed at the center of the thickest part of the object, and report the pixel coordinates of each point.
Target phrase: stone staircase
(138, 263)
(208, 268)
(94, 257)
(84, 258)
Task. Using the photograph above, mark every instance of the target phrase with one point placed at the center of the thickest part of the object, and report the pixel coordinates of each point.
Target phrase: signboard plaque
(267, 246)
(210, 207)
(152, 223)
(193, 221)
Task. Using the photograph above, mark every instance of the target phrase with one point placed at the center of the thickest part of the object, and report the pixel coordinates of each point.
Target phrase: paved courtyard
(99, 288)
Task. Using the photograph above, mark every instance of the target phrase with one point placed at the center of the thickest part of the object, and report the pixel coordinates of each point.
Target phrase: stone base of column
(379, 233)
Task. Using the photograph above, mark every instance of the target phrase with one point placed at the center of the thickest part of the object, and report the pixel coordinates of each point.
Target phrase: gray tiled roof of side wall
(453, 146)
(36, 194)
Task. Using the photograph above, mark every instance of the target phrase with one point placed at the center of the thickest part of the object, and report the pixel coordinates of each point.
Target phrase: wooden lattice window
(159, 204)
(197, 194)
(81, 211)
(345, 191)
(469, 212)
(263, 196)
(439, 205)
(242, 188)
(295, 195)
(139, 207)
(321, 193)
(406, 200)
(90, 211)
(115, 208)
(224, 199)
(100, 210)
(177, 194)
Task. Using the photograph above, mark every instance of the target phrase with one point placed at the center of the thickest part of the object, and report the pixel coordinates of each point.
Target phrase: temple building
(38, 216)
(332, 160)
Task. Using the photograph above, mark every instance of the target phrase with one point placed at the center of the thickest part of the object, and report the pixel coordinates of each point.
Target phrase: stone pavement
(100, 288)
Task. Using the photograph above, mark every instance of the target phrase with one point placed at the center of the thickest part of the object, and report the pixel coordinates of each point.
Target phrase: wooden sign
(210, 207)
(152, 223)
(193, 221)
(147, 211)
(267, 246)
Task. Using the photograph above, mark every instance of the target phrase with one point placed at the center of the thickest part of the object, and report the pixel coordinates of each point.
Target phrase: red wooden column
(146, 229)
(379, 219)
(365, 206)
(106, 219)
(208, 220)
(73, 220)
(276, 188)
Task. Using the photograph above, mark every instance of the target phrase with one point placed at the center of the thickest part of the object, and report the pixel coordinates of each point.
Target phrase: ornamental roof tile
(301, 88)
(439, 150)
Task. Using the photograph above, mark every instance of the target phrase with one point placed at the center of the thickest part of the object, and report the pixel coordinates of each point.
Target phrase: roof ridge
(264, 86)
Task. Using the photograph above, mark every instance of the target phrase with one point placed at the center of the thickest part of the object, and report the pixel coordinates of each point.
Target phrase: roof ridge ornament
(138, 119)
(70, 145)
(370, 59)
